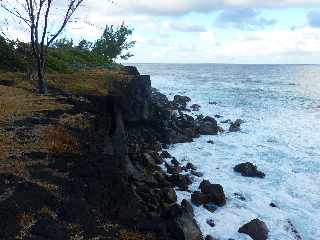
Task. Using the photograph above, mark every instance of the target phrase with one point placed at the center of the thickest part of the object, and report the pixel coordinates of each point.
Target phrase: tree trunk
(42, 87)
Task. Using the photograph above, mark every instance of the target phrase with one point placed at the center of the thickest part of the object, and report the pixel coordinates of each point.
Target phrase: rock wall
(137, 191)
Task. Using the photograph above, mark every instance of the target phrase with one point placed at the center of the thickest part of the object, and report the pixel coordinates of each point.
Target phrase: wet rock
(197, 174)
(248, 170)
(209, 237)
(175, 162)
(181, 101)
(273, 205)
(239, 196)
(180, 181)
(214, 192)
(210, 207)
(294, 231)
(210, 141)
(195, 107)
(218, 116)
(198, 198)
(213, 103)
(165, 154)
(211, 222)
(208, 126)
(256, 229)
(48, 228)
(191, 166)
(174, 169)
(235, 126)
(183, 225)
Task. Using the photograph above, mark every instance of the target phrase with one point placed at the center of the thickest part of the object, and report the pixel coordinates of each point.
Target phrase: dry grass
(22, 101)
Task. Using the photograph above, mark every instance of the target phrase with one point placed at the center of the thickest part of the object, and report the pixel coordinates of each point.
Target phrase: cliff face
(139, 192)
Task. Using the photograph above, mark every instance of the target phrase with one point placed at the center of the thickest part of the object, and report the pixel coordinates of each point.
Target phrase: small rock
(210, 207)
(218, 116)
(213, 103)
(210, 141)
(191, 166)
(248, 170)
(165, 154)
(273, 205)
(239, 196)
(235, 126)
(175, 162)
(211, 222)
(256, 229)
(209, 237)
(195, 107)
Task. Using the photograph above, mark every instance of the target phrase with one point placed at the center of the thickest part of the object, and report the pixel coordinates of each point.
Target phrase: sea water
(280, 105)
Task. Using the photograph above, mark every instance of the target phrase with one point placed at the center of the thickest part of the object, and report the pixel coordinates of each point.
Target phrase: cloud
(314, 19)
(244, 18)
(183, 7)
(179, 26)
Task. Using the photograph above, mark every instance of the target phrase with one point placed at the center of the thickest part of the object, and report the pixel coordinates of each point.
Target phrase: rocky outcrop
(256, 229)
(235, 126)
(210, 194)
(248, 170)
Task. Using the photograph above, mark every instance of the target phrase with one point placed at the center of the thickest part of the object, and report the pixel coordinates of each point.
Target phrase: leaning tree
(42, 25)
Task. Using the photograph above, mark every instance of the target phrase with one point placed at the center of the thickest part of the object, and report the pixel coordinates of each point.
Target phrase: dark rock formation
(208, 126)
(195, 107)
(48, 228)
(256, 229)
(209, 237)
(235, 126)
(165, 154)
(248, 170)
(181, 101)
(211, 222)
(210, 207)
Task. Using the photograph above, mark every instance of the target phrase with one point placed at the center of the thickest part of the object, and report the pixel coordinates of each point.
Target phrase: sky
(207, 31)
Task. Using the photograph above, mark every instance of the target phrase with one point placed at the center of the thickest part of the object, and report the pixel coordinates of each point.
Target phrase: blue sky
(217, 31)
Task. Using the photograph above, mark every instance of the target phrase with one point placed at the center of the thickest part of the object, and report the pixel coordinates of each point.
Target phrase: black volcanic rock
(248, 170)
(256, 229)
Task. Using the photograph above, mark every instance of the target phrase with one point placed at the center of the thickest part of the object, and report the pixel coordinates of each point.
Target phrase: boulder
(256, 229)
(199, 198)
(183, 226)
(181, 101)
(180, 181)
(175, 162)
(174, 169)
(248, 170)
(195, 107)
(214, 192)
(208, 126)
(235, 126)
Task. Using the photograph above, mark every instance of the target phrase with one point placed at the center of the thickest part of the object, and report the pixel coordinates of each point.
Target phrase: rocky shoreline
(125, 175)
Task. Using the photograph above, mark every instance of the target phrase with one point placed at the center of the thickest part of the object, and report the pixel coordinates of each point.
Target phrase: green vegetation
(64, 56)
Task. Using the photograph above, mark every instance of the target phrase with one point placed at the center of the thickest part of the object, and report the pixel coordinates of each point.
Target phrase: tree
(114, 43)
(35, 14)
(84, 45)
(63, 43)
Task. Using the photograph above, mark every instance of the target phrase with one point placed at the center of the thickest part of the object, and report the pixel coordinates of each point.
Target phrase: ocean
(280, 107)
